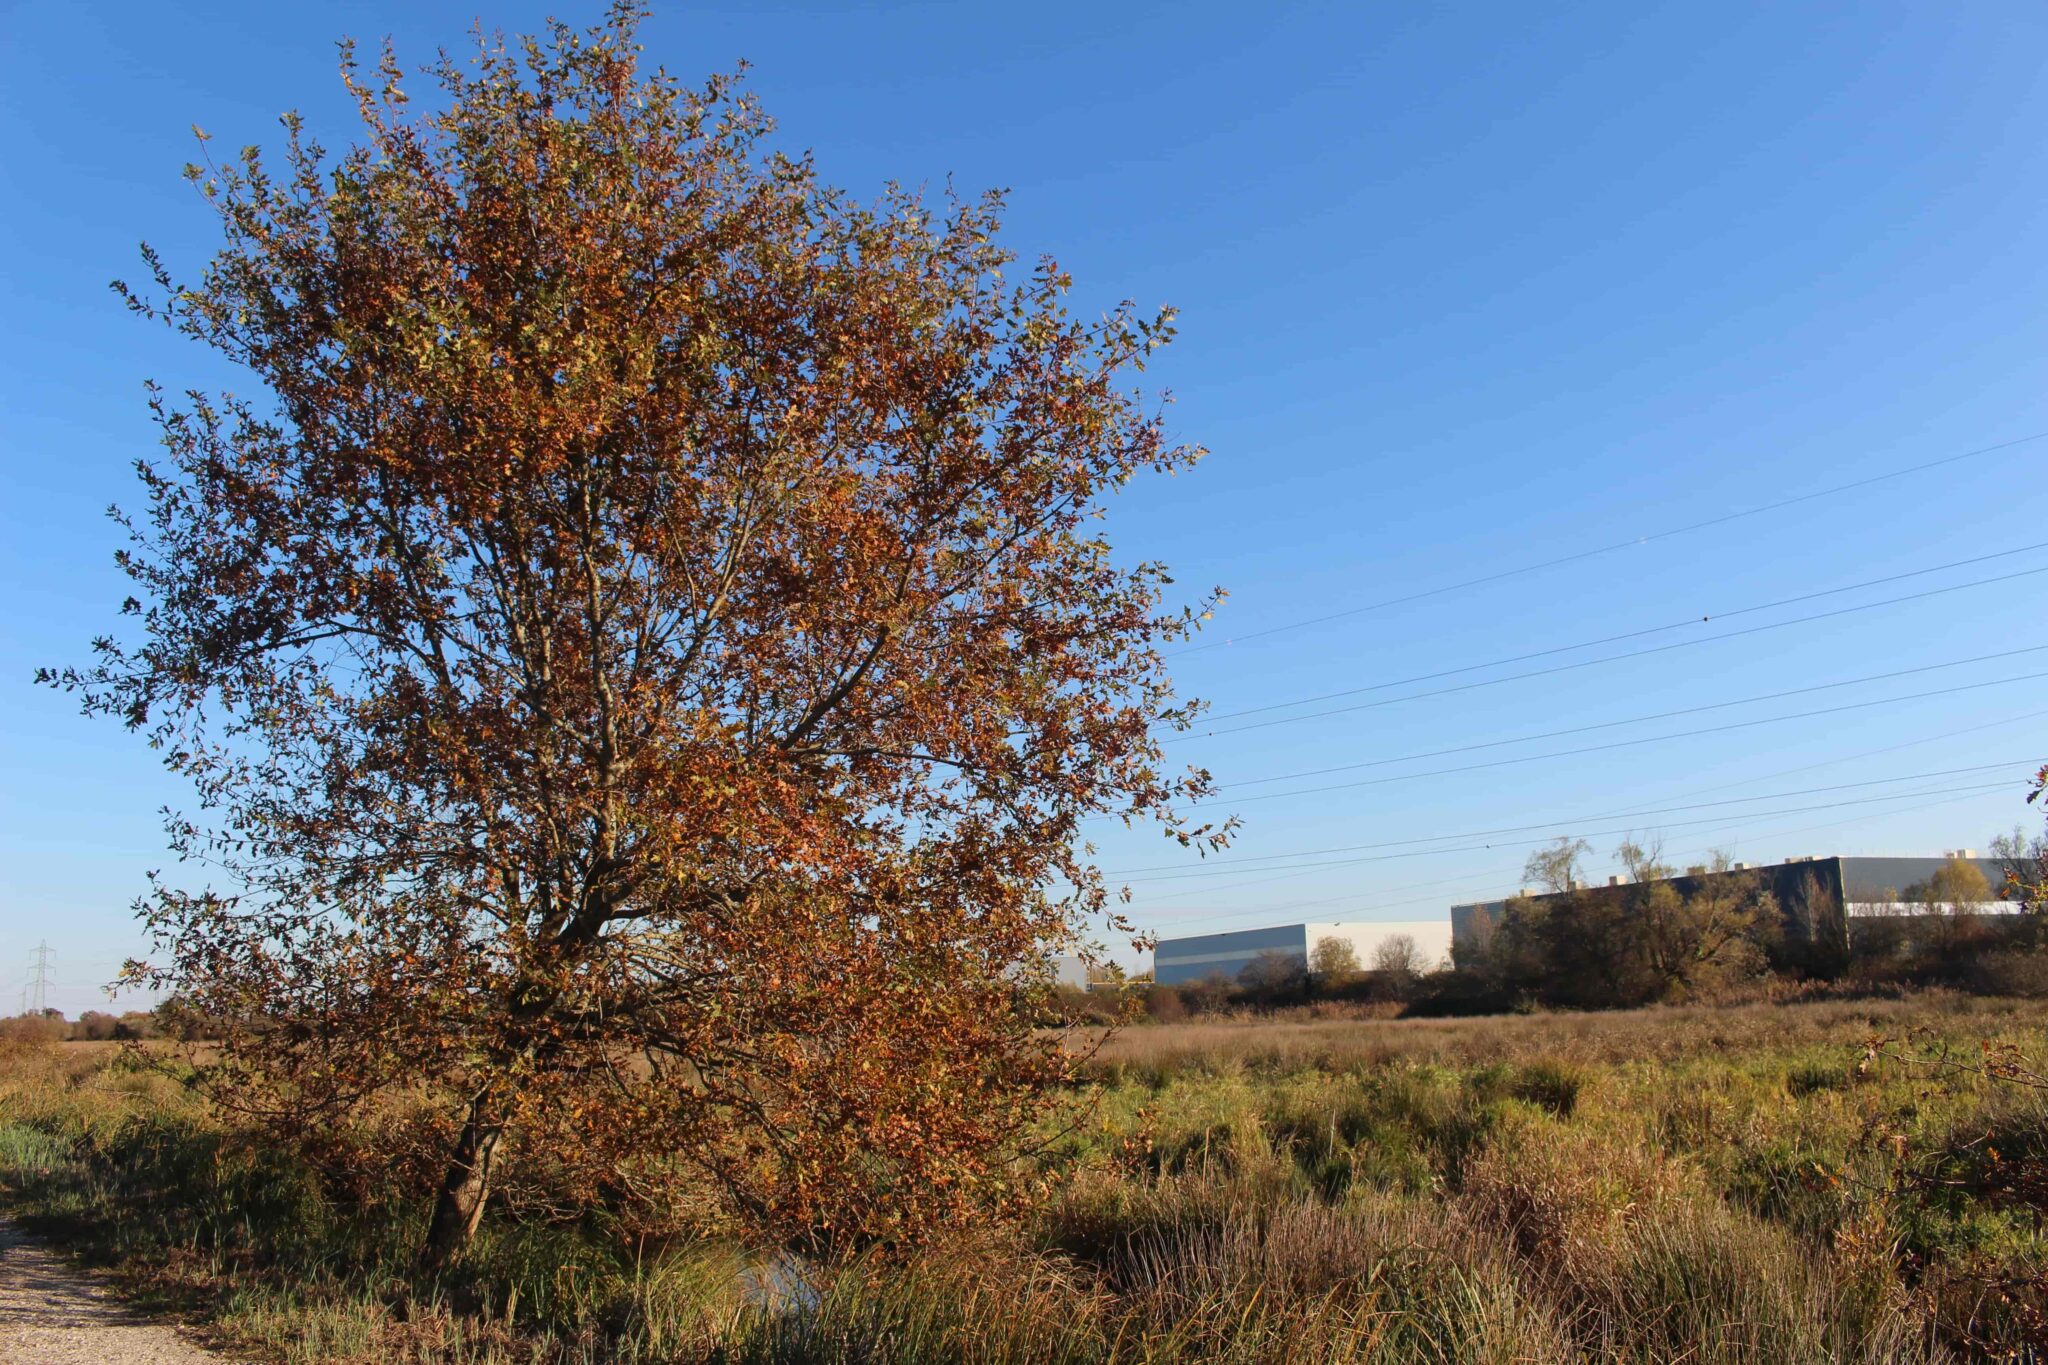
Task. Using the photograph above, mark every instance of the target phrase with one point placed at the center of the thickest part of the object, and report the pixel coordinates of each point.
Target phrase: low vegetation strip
(1302, 1040)
(1820, 1182)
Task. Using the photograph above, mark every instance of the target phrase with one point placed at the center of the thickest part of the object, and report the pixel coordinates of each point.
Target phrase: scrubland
(1812, 1182)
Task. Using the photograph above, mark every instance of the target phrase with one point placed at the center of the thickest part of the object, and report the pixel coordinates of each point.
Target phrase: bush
(1210, 995)
(1458, 992)
(94, 1026)
(1165, 1005)
(1074, 1005)
(48, 1027)
(137, 1025)
(1274, 978)
(2011, 973)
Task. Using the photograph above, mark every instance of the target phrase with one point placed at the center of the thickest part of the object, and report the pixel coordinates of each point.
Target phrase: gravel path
(52, 1313)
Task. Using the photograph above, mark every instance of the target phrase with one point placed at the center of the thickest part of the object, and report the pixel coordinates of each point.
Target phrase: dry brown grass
(1693, 1183)
(1666, 1033)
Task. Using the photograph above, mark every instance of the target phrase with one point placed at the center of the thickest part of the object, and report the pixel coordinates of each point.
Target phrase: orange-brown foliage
(647, 655)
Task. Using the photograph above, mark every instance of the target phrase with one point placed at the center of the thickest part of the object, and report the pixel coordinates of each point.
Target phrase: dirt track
(52, 1313)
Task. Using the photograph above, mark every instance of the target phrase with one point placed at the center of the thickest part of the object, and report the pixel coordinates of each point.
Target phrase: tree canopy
(1557, 866)
(643, 647)
(1333, 961)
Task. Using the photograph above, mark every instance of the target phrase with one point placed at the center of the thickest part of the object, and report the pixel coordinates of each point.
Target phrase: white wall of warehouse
(1226, 954)
(1432, 936)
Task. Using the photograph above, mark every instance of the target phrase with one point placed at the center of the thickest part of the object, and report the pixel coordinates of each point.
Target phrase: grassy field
(1681, 1184)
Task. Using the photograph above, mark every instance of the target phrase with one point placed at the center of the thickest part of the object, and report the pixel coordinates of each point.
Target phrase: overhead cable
(1628, 743)
(1632, 634)
(1598, 550)
(1567, 825)
(1514, 843)
(1635, 720)
(1591, 663)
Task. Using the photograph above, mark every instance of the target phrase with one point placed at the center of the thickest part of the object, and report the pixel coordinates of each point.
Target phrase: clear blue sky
(1462, 287)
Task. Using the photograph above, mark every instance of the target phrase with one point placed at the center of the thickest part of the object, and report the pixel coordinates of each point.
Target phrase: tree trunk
(460, 1203)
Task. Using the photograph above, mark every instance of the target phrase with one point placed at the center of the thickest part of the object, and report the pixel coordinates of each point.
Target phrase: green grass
(1717, 1186)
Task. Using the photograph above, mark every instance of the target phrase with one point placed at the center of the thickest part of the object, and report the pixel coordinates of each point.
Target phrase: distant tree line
(171, 1019)
(1939, 933)
(1397, 975)
(1659, 938)
(1712, 931)
(1706, 932)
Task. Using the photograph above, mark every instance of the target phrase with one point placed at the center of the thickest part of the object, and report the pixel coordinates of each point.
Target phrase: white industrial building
(1176, 961)
(1070, 970)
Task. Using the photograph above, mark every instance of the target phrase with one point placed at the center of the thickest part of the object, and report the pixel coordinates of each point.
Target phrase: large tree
(642, 646)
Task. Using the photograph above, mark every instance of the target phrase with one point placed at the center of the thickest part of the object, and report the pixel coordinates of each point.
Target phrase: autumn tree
(2023, 858)
(2027, 873)
(95, 1026)
(1399, 955)
(642, 646)
(1473, 944)
(1710, 935)
(1949, 926)
(1957, 887)
(44, 1026)
(1510, 948)
(1556, 867)
(1657, 938)
(1333, 962)
(1644, 861)
(1815, 940)
(1274, 977)
(1397, 963)
(1207, 994)
(1586, 949)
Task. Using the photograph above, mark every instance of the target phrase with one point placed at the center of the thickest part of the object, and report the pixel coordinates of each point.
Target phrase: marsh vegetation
(1827, 1181)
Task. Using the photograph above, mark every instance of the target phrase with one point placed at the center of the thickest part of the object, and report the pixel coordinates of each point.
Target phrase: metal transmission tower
(36, 995)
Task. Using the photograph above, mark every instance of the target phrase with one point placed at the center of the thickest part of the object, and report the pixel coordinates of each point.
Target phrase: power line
(1746, 822)
(1637, 634)
(1577, 556)
(1463, 879)
(1626, 743)
(1574, 822)
(1508, 873)
(1635, 720)
(1852, 820)
(1873, 753)
(1519, 843)
(1935, 737)
(1825, 763)
(1581, 663)
(1940, 800)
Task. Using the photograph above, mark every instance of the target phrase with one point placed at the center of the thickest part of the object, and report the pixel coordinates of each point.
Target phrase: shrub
(34, 1028)
(1551, 1084)
(1165, 1004)
(1074, 1005)
(2017, 973)
(94, 1026)
(137, 1026)
(1208, 995)
(1274, 978)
